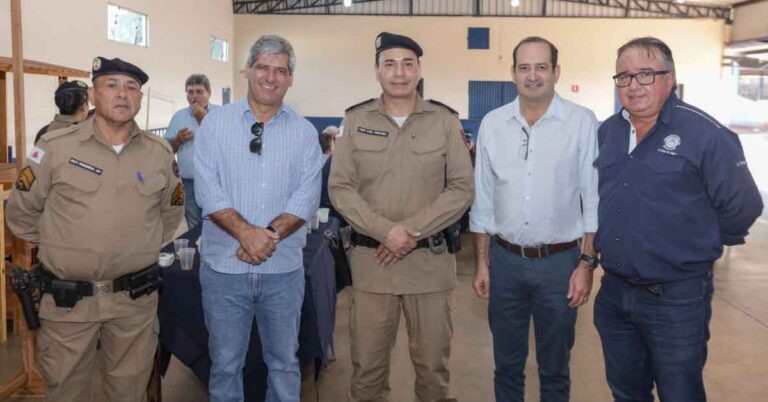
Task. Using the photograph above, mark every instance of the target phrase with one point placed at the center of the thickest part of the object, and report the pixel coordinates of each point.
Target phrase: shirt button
(526, 222)
(618, 238)
(618, 211)
(527, 197)
(626, 183)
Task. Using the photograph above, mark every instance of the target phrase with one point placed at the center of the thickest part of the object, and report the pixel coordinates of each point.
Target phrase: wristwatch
(593, 261)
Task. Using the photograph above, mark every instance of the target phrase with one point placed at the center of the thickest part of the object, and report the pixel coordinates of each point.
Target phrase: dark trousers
(521, 288)
(655, 334)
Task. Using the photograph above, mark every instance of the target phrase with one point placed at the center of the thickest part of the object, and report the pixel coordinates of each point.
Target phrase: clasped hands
(256, 245)
(400, 241)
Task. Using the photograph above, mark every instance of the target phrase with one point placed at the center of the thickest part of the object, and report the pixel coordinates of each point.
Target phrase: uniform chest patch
(86, 166)
(25, 179)
(177, 198)
(372, 132)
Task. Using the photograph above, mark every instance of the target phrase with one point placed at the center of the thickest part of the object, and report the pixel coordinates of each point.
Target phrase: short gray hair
(198, 79)
(651, 46)
(327, 136)
(272, 44)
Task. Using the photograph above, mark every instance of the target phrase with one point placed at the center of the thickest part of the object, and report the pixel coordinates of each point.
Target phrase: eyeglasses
(257, 129)
(523, 152)
(642, 78)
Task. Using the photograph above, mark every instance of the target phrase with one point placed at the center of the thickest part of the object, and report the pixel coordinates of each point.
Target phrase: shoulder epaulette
(434, 102)
(60, 132)
(160, 140)
(365, 102)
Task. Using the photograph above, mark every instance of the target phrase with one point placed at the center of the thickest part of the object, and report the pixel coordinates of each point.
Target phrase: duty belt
(431, 242)
(66, 293)
(536, 252)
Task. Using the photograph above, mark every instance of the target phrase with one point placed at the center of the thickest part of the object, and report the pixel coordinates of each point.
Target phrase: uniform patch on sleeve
(177, 198)
(36, 155)
(25, 180)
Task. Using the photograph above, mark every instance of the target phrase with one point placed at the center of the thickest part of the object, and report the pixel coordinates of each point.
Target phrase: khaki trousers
(66, 355)
(374, 319)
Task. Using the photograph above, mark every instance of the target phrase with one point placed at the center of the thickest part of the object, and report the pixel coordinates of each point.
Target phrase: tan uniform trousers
(374, 320)
(66, 354)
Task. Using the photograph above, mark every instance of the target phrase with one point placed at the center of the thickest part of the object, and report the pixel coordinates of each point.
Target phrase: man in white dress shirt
(534, 216)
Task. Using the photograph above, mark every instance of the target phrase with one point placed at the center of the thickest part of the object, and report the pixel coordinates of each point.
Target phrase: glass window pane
(126, 26)
(219, 49)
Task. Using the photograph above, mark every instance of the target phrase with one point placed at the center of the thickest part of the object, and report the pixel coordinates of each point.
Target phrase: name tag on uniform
(86, 166)
(372, 132)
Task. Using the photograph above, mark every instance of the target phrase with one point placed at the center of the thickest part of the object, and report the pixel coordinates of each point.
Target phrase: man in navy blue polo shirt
(674, 188)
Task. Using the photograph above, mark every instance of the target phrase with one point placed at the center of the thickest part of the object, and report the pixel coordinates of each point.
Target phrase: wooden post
(3, 120)
(3, 317)
(26, 382)
(18, 84)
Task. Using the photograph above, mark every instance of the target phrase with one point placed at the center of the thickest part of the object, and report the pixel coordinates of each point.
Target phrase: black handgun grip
(24, 293)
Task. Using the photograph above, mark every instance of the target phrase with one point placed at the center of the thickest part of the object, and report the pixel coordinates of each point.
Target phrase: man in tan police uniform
(400, 174)
(99, 198)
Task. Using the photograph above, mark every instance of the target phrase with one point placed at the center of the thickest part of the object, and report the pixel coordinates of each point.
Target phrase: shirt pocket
(370, 155)
(75, 191)
(664, 164)
(151, 187)
(429, 156)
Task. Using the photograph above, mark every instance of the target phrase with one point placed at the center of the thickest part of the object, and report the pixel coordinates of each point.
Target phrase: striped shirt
(284, 178)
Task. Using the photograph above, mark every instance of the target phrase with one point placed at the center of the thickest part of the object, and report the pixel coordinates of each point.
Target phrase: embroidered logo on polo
(372, 132)
(671, 143)
(86, 166)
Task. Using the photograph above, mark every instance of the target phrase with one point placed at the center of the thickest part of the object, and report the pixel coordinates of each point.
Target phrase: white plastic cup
(187, 257)
(178, 244)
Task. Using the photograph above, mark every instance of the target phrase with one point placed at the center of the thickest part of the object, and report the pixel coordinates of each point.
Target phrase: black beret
(75, 85)
(102, 66)
(387, 40)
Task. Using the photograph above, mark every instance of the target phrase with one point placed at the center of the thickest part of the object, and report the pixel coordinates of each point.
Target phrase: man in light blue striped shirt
(257, 178)
(181, 135)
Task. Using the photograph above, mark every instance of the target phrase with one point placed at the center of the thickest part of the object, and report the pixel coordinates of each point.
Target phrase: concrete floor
(736, 370)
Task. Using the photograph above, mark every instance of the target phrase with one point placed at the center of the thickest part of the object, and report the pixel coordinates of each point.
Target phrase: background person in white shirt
(536, 194)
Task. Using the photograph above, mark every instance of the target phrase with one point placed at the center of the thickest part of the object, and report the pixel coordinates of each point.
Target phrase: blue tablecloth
(182, 325)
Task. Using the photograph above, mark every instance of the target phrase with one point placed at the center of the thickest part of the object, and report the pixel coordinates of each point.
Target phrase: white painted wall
(750, 22)
(335, 55)
(73, 32)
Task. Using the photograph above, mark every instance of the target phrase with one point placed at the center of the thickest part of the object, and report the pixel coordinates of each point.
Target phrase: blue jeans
(521, 288)
(231, 302)
(656, 334)
(192, 212)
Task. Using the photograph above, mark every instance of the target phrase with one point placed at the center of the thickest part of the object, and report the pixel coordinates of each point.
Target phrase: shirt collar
(64, 118)
(244, 108)
(665, 115)
(88, 130)
(556, 109)
(420, 106)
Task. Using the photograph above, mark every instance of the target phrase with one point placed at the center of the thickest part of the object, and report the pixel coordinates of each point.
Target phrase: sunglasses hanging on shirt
(257, 129)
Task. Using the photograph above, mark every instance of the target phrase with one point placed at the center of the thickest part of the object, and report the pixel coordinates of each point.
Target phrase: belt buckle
(102, 288)
(522, 253)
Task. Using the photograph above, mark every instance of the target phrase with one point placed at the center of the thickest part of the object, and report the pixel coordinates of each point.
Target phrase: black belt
(359, 239)
(536, 252)
(67, 292)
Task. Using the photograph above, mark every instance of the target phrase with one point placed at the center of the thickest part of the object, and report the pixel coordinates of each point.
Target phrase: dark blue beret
(386, 40)
(103, 66)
